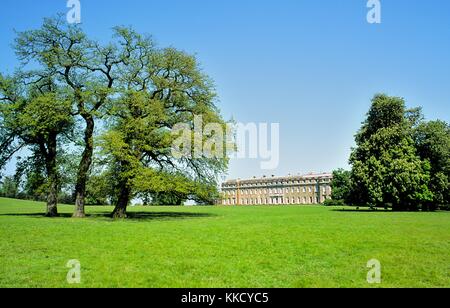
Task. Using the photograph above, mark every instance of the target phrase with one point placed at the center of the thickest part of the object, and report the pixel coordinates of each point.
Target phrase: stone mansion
(305, 189)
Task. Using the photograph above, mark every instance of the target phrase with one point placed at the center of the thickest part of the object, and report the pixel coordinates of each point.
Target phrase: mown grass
(290, 247)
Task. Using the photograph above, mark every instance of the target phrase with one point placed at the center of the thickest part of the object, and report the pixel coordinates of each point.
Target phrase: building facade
(305, 189)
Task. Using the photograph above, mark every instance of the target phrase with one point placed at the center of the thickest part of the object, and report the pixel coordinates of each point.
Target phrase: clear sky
(311, 66)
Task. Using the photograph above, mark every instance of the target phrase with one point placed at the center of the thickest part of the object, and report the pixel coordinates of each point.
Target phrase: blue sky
(311, 66)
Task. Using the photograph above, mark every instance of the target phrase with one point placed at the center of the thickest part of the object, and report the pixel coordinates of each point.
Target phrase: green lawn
(223, 247)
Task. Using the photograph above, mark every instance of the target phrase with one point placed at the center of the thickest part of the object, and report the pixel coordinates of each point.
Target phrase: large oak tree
(88, 69)
(163, 89)
(36, 116)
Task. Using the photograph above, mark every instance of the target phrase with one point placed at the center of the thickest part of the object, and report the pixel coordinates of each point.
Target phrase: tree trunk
(52, 198)
(120, 210)
(52, 173)
(83, 169)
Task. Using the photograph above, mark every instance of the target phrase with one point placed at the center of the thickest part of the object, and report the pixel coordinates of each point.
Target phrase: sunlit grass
(291, 246)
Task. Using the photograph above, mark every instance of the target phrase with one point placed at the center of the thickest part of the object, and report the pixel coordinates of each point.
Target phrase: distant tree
(32, 178)
(167, 198)
(432, 141)
(200, 193)
(386, 169)
(9, 187)
(341, 186)
(98, 189)
(31, 174)
(205, 194)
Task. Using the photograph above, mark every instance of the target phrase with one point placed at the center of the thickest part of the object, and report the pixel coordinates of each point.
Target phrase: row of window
(275, 200)
(245, 185)
(325, 190)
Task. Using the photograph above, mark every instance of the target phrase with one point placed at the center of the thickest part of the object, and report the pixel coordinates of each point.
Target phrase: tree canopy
(432, 141)
(399, 161)
(37, 115)
(128, 94)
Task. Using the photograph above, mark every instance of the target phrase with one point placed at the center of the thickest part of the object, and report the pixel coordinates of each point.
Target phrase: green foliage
(9, 187)
(166, 199)
(33, 180)
(89, 73)
(35, 115)
(30, 172)
(139, 91)
(386, 168)
(99, 189)
(341, 186)
(169, 90)
(432, 141)
(333, 202)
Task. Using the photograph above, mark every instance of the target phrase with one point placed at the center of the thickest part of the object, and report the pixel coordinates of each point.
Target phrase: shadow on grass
(164, 215)
(132, 216)
(365, 210)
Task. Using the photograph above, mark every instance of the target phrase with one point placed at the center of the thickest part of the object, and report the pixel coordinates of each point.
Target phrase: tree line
(94, 120)
(400, 160)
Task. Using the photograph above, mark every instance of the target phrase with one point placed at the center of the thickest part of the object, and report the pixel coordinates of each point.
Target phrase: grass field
(223, 247)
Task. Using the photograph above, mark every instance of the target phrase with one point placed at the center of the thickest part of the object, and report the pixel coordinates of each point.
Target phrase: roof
(285, 178)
